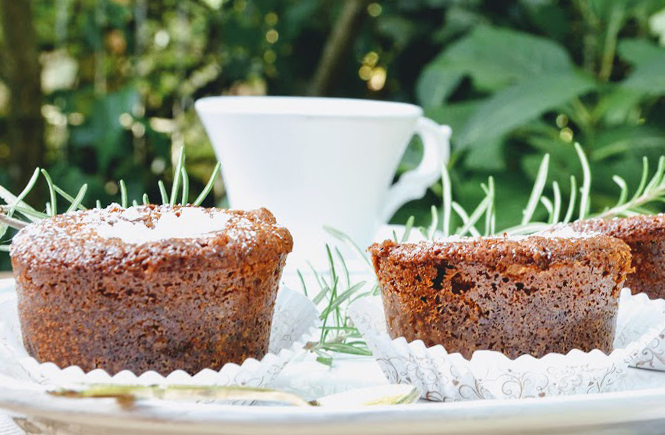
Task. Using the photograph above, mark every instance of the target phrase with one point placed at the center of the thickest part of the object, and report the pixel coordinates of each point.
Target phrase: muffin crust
(528, 295)
(163, 305)
(645, 234)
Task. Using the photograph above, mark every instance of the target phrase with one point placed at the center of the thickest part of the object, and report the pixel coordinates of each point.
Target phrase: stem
(586, 181)
(447, 199)
(338, 46)
(14, 223)
(613, 27)
(645, 198)
(21, 72)
(584, 117)
(589, 39)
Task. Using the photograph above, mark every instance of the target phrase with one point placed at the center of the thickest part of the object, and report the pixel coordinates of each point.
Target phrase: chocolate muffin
(645, 234)
(523, 295)
(149, 288)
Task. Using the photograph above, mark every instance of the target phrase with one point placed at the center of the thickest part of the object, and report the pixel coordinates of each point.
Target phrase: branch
(20, 58)
(337, 46)
(14, 223)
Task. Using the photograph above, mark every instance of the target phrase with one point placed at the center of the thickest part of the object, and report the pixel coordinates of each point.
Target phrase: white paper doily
(294, 320)
(491, 375)
(637, 313)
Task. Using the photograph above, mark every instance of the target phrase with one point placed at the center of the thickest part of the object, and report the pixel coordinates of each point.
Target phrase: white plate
(640, 408)
(625, 412)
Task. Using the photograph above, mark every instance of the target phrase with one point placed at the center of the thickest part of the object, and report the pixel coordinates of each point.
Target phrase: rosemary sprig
(429, 232)
(123, 193)
(185, 187)
(127, 395)
(349, 242)
(650, 190)
(67, 196)
(645, 193)
(17, 205)
(162, 192)
(336, 290)
(407, 229)
(447, 201)
(537, 191)
(209, 186)
(53, 209)
(586, 182)
(337, 333)
(18, 201)
(571, 202)
(177, 177)
(14, 223)
(76, 202)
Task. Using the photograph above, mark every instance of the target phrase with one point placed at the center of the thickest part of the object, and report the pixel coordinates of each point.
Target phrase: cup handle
(413, 184)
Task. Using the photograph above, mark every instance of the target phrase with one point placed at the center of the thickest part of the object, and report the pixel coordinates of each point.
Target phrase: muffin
(149, 287)
(645, 234)
(523, 295)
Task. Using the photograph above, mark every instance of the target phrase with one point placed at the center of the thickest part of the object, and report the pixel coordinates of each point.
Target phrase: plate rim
(626, 406)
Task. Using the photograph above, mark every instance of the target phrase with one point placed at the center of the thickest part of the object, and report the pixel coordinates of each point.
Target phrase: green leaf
(639, 51)
(649, 62)
(436, 83)
(454, 115)
(520, 104)
(620, 105)
(104, 132)
(612, 142)
(548, 17)
(397, 28)
(495, 58)
(648, 77)
(487, 156)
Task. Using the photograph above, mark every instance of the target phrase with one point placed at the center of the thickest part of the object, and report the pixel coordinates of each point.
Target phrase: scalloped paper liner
(294, 322)
(491, 375)
(637, 313)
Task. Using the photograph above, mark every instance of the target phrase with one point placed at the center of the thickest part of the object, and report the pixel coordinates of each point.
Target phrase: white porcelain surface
(321, 161)
(641, 411)
(638, 408)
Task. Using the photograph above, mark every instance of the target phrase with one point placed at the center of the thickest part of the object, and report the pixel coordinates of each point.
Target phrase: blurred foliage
(514, 79)
(538, 77)
(120, 76)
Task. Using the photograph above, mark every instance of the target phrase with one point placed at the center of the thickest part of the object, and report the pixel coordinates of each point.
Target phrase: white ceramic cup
(321, 161)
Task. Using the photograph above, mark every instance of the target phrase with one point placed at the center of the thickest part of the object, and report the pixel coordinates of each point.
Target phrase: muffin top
(150, 237)
(633, 229)
(540, 250)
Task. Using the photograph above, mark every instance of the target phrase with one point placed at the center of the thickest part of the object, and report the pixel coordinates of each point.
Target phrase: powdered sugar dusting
(188, 223)
(131, 214)
(562, 232)
(566, 232)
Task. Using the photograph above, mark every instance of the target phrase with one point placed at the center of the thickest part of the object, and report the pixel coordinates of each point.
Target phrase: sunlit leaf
(521, 103)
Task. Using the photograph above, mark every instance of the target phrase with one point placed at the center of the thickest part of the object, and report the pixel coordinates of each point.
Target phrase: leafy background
(102, 90)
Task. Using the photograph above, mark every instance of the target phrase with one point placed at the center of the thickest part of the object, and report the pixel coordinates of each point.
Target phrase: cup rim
(327, 107)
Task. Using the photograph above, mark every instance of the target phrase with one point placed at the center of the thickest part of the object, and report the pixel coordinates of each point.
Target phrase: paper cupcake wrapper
(637, 313)
(294, 322)
(491, 375)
